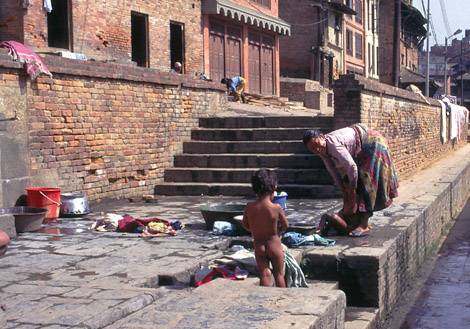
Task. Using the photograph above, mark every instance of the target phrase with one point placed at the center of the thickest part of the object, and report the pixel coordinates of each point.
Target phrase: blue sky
(458, 13)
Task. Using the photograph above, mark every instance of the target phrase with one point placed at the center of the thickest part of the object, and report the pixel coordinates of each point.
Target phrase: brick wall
(256, 5)
(107, 129)
(11, 21)
(411, 126)
(310, 92)
(296, 50)
(102, 29)
(294, 89)
(386, 32)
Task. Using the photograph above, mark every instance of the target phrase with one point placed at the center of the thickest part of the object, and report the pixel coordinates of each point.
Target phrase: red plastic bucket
(44, 197)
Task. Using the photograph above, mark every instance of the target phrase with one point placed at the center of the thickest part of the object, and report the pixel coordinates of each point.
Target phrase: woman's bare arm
(245, 222)
(283, 223)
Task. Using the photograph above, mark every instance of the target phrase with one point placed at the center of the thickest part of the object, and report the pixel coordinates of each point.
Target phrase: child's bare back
(265, 220)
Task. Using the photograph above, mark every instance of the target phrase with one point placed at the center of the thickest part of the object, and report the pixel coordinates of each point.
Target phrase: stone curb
(377, 275)
(122, 310)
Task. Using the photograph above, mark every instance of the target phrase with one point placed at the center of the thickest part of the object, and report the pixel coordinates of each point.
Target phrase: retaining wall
(106, 129)
(409, 122)
(375, 271)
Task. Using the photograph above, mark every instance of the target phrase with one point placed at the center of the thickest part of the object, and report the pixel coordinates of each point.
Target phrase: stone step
(242, 304)
(244, 189)
(295, 103)
(248, 134)
(292, 161)
(325, 122)
(243, 175)
(209, 147)
(361, 318)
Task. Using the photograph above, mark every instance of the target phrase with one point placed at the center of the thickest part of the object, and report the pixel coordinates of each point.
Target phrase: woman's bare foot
(323, 225)
(359, 232)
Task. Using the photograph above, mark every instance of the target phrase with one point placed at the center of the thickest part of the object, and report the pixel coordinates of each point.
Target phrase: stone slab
(7, 224)
(243, 304)
(361, 318)
(14, 159)
(13, 189)
(104, 277)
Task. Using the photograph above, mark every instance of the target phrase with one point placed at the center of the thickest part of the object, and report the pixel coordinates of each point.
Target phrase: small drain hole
(165, 280)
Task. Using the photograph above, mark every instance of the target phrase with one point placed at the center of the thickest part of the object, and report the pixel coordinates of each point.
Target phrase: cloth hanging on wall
(47, 5)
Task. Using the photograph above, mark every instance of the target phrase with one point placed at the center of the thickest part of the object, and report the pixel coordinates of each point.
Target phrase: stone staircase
(225, 151)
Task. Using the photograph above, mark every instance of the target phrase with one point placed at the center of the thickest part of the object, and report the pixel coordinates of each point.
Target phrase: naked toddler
(265, 220)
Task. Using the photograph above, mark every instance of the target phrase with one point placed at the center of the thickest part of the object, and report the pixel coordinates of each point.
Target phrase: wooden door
(233, 52)
(267, 65)
(216, 51)
(254, 63)
(267, 71)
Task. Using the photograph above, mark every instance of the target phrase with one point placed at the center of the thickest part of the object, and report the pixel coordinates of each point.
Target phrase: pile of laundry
(239, 262)
(294, 239)
(226, 229)
(458, 120)
(147, 227)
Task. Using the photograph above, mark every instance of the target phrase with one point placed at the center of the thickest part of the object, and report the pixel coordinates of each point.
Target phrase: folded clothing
(294, 239)
(224, 228)
(148, 227)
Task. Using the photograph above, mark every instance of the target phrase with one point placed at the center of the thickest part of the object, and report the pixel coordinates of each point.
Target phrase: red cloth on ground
(128, 224)
(21, 53)
(131, 225)
(217, 272)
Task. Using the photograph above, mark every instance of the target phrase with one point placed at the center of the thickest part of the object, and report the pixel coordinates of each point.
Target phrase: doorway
(140, 39)
(177, 44)
(59, 25)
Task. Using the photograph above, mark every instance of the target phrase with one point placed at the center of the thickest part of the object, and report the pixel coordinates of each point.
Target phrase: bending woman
(360, 163)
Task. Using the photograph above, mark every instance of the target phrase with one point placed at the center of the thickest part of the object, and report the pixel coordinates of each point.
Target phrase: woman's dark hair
(264, 181)
(311, 133)
(224, 81)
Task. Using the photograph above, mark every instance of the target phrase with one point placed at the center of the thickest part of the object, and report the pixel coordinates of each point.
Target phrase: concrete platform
(68, 276)
(375, 270)
(243, 304)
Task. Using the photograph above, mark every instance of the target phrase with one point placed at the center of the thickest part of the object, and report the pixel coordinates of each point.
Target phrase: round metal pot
(74, 205)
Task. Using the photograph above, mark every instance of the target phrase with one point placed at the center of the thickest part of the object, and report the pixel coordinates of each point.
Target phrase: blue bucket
(281, 200)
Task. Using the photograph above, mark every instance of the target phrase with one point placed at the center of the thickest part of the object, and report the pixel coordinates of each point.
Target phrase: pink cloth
(19, 52)
(342, 145)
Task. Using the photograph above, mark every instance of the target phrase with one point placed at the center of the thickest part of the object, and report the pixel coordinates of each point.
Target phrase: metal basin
(74, 205)
(221, 212)
(26, 219)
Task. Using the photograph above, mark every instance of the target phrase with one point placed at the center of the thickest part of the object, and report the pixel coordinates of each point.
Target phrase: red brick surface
(11, 21)
(296, 54)
(102, 29)
(411, 126)
(110, 130)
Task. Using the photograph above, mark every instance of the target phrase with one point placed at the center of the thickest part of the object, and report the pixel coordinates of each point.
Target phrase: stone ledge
(7, 225)
(93, 69)
(354, 82)
(248, 306)
(374, 271)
